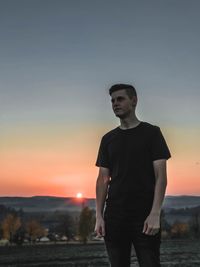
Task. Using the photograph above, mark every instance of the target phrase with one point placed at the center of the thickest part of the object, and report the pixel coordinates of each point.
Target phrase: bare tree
(195, 224)
(66, 225)
(34, 230)
(10, 225)
(86, 224)
(179, 229)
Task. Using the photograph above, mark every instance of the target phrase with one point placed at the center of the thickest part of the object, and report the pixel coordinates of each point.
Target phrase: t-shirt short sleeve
(103, 156)
(159, 148)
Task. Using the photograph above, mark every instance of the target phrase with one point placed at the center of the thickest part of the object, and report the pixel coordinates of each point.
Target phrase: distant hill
(49, 203)
(178, 202)
(46, 203)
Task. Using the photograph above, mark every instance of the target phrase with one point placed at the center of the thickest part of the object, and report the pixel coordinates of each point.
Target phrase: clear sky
(58, 59)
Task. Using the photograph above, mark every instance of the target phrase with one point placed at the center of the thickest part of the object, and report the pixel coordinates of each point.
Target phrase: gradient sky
(58, 59)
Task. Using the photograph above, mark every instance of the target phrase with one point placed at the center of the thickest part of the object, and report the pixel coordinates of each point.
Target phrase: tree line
(16, 227)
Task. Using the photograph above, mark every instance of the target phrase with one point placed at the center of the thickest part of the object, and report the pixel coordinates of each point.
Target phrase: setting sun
(79, 195)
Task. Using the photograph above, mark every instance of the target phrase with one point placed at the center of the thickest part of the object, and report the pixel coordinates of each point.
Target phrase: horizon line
(88, 197)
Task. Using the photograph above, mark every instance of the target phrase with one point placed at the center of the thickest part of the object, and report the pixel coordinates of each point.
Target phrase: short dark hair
(130, 89)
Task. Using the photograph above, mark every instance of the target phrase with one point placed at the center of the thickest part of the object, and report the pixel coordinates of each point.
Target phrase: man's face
(121, 103)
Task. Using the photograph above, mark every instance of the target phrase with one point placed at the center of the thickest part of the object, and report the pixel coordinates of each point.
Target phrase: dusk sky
(57, 60)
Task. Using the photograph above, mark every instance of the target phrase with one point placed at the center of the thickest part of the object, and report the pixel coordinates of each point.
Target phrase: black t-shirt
(129, 155)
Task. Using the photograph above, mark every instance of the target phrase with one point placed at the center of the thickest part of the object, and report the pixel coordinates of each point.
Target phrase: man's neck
(129, 123)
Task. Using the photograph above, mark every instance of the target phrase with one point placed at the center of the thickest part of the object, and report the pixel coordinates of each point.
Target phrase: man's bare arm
(160, 186)
(152, 222)
(101, 193)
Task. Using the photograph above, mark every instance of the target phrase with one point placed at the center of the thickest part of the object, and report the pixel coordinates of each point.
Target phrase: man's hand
(152, 224)
(100, 227)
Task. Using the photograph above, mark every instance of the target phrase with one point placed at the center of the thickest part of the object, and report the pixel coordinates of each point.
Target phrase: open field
(173, 253)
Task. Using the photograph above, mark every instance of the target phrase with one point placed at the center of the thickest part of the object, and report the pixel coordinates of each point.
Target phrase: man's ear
(134, 101)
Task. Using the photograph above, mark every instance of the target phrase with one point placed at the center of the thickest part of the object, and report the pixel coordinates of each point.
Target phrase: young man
(131, 182)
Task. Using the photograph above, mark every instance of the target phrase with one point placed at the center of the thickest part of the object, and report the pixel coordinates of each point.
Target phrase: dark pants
(119, 239)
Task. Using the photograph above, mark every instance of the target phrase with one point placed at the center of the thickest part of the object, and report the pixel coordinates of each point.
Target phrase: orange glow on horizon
(63, 164)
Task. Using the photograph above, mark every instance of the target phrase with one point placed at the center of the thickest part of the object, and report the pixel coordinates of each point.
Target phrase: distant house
(64, 238)
(4, 242)
(44, 239)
